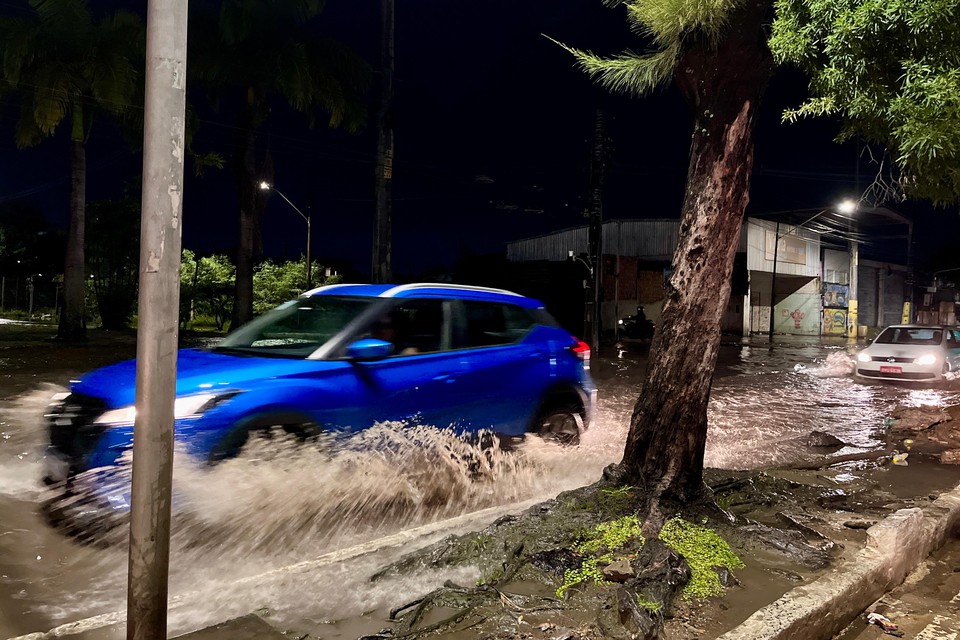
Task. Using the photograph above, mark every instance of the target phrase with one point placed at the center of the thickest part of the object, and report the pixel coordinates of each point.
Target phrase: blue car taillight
(582, 351)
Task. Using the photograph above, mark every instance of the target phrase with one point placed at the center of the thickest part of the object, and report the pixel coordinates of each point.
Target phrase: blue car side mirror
(369, 349)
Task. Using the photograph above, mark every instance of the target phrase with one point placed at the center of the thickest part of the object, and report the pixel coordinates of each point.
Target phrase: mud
(788, 526)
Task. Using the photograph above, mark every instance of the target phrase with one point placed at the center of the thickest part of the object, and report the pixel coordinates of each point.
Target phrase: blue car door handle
(443, 376)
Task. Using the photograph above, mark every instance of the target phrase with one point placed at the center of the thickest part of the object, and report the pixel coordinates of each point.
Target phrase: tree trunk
(722, 83)
(382, 267)
(249, 174)
(72, 325)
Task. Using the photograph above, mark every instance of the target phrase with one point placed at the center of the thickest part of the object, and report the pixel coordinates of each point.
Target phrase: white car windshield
(296, 328)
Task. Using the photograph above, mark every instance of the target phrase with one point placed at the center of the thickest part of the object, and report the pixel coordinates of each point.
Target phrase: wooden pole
(163, 151)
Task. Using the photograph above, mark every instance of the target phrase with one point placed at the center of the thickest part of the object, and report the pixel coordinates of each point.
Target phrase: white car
(909, 352)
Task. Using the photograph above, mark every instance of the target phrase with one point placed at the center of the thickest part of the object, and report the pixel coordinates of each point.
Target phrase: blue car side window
(412, 327)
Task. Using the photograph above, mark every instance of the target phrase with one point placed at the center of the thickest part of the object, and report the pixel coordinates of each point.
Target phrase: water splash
(22, 438)
(836, 365)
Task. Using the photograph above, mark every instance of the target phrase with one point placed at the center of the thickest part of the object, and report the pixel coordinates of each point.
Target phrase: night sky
(493, 128)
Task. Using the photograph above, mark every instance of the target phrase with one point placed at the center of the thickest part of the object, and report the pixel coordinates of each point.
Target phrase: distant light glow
(847, 206)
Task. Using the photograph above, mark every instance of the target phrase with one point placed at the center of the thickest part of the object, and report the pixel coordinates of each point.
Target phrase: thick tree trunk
(723, 83)
(249, 174)
(72, 325)
(382, 263)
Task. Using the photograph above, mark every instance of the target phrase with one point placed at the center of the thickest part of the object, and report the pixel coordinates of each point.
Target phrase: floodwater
(275, 506)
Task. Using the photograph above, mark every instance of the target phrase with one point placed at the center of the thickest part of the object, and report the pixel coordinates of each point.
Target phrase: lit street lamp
(266, 186)
(849, 207)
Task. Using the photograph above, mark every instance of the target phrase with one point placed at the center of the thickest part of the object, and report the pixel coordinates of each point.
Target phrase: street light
(846, 207)
(849, 207)
(266, 186)
(595, 319)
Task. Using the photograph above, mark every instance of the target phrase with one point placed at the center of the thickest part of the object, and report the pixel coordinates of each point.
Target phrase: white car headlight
(927, 358)
(863, 356)
(184, 407)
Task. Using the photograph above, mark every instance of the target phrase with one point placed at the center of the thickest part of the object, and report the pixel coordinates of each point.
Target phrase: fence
(28, 293)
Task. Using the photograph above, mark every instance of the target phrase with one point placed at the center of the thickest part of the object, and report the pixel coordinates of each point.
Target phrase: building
(798, 261)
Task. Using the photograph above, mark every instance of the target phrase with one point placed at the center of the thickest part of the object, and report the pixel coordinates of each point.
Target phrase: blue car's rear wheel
(561, 425)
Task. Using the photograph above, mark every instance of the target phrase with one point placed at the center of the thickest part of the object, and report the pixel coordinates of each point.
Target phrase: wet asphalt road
(247, 518)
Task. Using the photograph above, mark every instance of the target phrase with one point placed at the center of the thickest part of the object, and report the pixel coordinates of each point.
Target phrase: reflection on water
(279, 503)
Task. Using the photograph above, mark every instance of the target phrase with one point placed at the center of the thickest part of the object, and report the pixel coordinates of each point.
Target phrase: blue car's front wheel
(267, 427)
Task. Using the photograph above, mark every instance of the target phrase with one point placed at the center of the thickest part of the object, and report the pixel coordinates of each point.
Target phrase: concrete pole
(163, 151)
(773, 281)
(852, 311)
(309, 266)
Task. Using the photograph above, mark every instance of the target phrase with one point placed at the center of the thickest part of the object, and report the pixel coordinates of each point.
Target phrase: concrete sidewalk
(894, 548)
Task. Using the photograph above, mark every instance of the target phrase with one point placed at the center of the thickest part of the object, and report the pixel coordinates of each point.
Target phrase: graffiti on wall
(835, 321)
(835, 295)
(797, 316)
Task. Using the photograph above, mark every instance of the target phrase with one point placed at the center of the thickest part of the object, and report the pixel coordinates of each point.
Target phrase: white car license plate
(891, 370)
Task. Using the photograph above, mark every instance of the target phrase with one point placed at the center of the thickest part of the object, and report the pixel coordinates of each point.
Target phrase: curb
(895, 546)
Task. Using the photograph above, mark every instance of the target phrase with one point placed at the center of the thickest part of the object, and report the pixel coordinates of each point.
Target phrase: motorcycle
(638, 326)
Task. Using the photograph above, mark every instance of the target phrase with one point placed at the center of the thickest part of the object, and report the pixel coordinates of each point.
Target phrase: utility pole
(594, 213)
(163, 150)
(382, 269)
(773, 281)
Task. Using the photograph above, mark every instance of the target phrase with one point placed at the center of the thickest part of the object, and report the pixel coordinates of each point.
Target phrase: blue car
(341, 358)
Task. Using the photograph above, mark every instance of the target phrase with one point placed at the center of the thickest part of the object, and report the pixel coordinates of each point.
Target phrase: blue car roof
(426, 290)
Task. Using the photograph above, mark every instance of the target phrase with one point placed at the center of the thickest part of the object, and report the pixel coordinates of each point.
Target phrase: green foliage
(206, 288)
(598, 546)
(275, 283)
(890, 69)
(61, 60)
(703, 549)
(268, 49)
(207, 284)
(648, 603)
(606, 502)
(666, 24)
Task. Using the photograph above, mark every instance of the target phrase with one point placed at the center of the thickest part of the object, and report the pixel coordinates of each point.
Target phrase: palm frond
(630, 72)
(69, 19)
(668, 21)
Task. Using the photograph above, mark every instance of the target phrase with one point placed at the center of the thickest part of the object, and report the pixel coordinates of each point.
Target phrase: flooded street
(274, 507)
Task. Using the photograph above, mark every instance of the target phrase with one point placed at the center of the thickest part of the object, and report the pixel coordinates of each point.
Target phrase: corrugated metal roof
(648, 239)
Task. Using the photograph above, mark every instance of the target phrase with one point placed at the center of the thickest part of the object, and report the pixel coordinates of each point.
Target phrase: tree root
(471, 597)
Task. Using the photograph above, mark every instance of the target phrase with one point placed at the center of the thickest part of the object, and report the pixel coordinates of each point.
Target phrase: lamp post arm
(302, 215)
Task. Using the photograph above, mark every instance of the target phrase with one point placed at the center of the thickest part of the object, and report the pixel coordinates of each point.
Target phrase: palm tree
(251, 54)
(67, 67)
(716, 54)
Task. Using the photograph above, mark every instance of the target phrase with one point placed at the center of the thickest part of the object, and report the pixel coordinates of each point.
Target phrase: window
(412, 326)
(903, 335)
(489, 324)
(296, 328)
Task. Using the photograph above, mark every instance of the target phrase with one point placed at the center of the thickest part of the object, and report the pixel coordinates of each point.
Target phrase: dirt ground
(790, 527)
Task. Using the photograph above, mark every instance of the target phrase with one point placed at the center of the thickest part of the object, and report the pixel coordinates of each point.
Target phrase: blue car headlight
(183, 407)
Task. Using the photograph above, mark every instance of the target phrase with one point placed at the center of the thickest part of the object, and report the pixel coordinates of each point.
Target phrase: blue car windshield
(296, 328)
